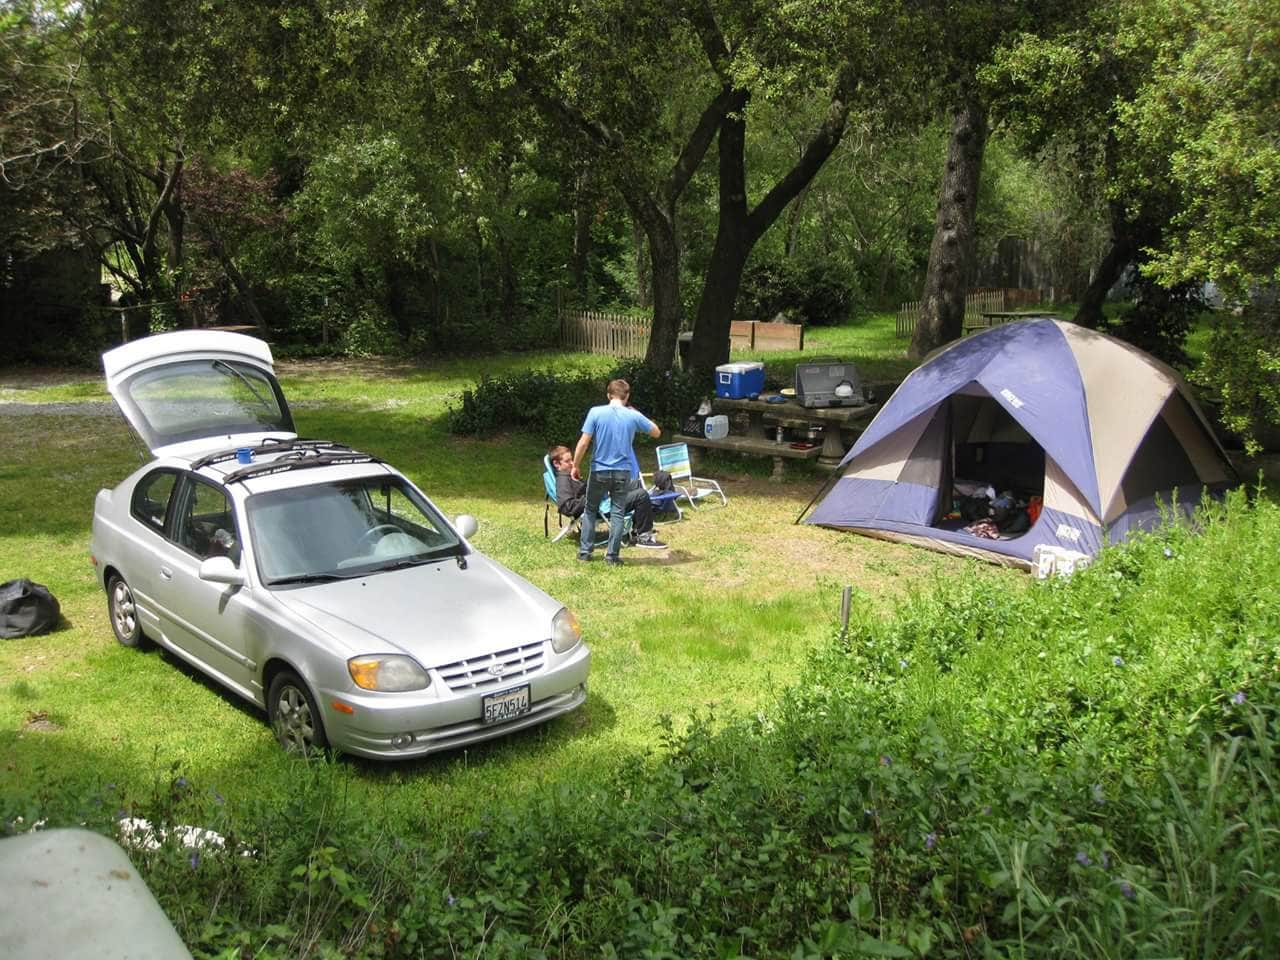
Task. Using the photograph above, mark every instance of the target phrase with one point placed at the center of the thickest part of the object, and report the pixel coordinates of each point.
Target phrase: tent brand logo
(1015, 401)
(1068, 533)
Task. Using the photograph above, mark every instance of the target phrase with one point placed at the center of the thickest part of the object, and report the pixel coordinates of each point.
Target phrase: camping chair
(574, 523)
(674, 458)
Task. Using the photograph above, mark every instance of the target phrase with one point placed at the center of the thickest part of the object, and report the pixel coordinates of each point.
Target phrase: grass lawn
(721, 622)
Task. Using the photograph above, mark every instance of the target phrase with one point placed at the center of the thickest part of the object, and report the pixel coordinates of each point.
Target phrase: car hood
(196, 391)
(438, 613)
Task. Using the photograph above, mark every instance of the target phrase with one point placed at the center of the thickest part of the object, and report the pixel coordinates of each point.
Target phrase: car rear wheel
(295, 718)
(124, 613)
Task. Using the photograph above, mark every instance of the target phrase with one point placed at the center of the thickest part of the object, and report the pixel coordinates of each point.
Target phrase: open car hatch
(194, 391)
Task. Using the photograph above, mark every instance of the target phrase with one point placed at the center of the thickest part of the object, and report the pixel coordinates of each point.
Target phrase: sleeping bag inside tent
(1035, 432)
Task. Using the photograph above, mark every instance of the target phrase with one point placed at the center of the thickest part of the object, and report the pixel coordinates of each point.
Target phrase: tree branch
(699, 141)
(820, 146)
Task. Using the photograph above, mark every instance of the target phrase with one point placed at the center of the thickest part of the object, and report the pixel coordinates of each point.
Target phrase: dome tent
(1102, 431)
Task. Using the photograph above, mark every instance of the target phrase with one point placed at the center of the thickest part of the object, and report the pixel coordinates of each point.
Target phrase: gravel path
(84, 408)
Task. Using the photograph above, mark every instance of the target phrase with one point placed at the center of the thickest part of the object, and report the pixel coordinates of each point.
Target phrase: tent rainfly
(1101, 431)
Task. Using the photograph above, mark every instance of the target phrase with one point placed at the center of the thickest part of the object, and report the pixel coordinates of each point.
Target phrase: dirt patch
(39, 722)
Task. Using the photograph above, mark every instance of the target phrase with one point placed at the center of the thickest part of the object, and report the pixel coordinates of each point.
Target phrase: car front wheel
(295, 718)
(124, 614)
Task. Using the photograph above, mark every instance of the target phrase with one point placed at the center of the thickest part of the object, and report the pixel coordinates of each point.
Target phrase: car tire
(295, 718)
(122, 611)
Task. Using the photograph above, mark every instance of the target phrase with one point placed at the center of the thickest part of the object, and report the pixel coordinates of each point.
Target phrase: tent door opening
(994, 471)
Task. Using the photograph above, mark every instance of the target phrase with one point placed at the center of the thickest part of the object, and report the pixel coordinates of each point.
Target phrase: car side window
(204, 523)
(393, 507)
(151, 498)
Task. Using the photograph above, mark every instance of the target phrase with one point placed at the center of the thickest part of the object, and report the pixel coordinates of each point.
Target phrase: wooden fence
(614, 334)
(975, 304)
(619, 335)
(755, 335)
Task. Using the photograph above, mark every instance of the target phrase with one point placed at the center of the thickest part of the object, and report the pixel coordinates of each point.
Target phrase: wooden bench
(757, 446)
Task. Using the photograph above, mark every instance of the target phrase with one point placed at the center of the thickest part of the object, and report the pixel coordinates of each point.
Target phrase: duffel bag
(26, 608)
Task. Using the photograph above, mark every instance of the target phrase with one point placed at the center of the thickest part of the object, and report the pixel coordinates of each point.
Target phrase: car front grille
(493, 670)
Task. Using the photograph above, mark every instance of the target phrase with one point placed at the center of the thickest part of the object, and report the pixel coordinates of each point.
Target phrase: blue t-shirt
(612, 429)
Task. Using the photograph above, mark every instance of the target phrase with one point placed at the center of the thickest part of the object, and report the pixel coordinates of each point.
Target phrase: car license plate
(501, 707)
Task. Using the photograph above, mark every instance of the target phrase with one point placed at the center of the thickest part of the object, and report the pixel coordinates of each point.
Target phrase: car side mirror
(221, 570)
(466, 525)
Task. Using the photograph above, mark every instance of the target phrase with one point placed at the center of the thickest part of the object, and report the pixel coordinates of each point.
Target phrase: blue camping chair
(549, 488)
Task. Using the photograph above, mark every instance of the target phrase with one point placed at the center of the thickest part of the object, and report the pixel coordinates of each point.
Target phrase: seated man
(571, 500)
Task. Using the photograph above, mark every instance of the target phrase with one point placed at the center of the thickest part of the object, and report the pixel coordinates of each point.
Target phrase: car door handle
(166, 573)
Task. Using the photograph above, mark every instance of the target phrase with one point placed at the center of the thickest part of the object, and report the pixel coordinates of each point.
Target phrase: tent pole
(836, 474)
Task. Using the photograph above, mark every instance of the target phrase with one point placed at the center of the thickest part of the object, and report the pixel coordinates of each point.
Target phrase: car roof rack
(303, 459)
(267, 446)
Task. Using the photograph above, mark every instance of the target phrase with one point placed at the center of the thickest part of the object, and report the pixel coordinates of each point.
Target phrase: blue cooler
(738, 381)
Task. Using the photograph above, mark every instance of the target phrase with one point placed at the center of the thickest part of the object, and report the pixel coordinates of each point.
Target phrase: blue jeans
(600, 484)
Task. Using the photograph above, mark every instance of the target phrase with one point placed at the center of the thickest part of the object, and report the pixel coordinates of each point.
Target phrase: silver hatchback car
(309, 578)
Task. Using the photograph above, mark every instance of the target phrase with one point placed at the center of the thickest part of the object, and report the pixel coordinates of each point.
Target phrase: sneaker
(584, 557)
(613, 561)
(650, 541)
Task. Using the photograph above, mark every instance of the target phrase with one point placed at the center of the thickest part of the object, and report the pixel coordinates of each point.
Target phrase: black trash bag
(26, 608)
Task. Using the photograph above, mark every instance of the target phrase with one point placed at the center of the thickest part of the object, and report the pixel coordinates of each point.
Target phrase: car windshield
(349, 528)
(191, 399)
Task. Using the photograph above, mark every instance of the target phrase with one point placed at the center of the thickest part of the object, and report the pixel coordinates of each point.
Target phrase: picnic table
(765, 422)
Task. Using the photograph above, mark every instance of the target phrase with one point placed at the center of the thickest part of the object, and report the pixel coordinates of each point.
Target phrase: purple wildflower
(1117, 661)
(1106, 860)
(217, 797)
(1098, 798)
(1082, 858)
(194, 860)
(1126, 888)
(181, 783)
(902, 664)
(986, 810)
(929, 840)
(449, 899)
(1238, 697)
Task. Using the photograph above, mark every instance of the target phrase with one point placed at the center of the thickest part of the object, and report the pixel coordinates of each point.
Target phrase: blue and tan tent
(1101, 431)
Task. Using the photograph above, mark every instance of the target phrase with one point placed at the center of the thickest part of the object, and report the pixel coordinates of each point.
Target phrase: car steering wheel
(366, 538)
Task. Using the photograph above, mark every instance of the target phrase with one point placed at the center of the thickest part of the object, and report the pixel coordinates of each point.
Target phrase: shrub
(551, 405)
(816, 293)
(1160, 319)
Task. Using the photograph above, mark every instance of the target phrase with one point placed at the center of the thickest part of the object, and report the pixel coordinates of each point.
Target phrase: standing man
(610, 431)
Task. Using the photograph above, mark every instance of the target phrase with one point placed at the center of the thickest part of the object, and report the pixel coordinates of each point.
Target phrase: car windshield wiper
(223, 365)
(420, 560)
(308, 578)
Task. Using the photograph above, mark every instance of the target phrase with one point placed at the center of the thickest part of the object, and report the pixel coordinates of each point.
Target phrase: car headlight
(388, 672)
(565, 632)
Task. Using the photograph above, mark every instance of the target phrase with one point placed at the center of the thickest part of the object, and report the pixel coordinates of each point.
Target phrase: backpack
(26, 609)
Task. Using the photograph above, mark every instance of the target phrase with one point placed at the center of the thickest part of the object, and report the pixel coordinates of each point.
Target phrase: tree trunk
(243, 287)
(644, 284)
(738, 230)
(659, 225)
(955, 235)
(175, 219)
(582, 215)
(1117, 257)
